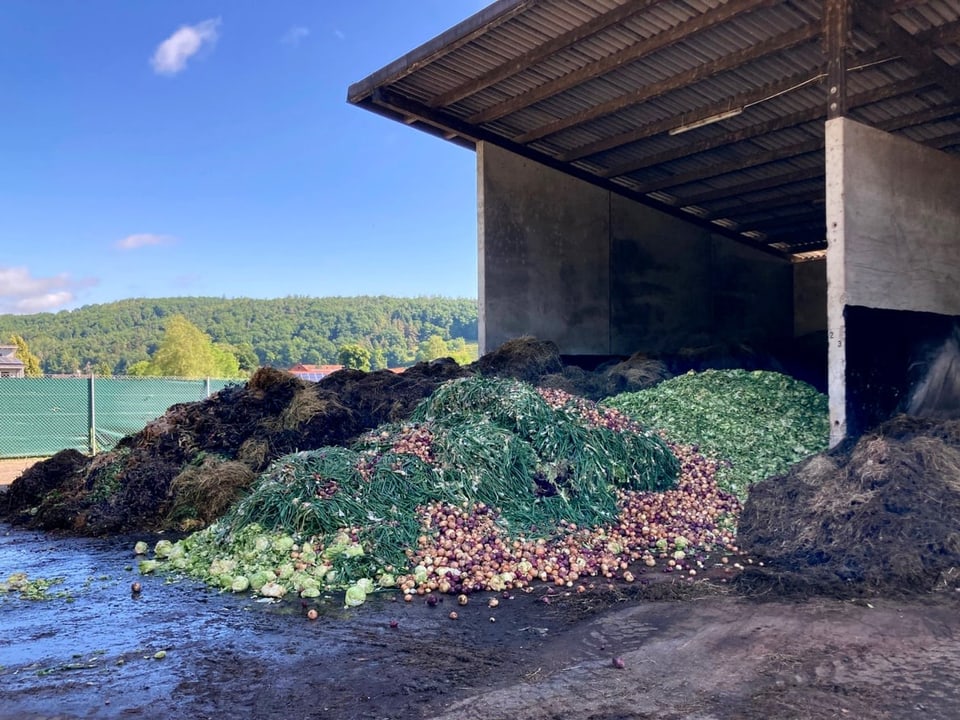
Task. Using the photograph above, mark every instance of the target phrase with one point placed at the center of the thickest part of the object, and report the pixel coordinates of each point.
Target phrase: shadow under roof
(707, 109)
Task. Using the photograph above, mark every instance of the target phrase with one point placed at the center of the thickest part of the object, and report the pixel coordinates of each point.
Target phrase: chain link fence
(41, 416)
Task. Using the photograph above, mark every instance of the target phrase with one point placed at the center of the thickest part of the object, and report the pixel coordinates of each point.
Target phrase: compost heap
(490, 485)
(880, 515)
(187, 467)
(448, 479)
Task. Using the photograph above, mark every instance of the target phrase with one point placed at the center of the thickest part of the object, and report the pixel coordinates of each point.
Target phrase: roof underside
(600, 89)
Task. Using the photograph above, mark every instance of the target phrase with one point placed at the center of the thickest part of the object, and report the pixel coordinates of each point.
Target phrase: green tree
(353, 355)
(186, 351)
(432, 348)
(378, 361)
(142, 368)
(225, 363)
(31, 363)
(103, 369)
(246, 357)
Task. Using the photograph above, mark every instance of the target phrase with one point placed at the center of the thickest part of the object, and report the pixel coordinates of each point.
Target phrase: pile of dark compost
(877, 515)
(187, 467)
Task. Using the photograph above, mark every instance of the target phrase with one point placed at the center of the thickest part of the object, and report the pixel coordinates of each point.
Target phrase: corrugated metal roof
(599, 88)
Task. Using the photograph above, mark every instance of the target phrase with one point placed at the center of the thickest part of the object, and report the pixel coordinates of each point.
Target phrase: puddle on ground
(95, 640)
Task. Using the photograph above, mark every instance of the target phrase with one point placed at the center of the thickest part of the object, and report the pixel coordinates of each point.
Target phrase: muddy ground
(90, 653)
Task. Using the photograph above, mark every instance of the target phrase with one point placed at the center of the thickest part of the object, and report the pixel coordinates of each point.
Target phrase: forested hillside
(279, 332)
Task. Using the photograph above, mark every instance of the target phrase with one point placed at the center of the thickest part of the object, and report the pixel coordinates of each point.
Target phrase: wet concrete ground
(90, 653)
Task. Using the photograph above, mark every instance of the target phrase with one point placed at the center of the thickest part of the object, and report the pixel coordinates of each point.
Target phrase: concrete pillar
(893, 230)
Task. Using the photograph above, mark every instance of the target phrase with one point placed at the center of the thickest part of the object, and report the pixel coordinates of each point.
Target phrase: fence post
(207, 386)
(93, 417)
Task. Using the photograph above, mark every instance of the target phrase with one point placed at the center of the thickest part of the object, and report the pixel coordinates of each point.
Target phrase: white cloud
(294, 35)
(139, 240)
(20, 292)
(172, 54)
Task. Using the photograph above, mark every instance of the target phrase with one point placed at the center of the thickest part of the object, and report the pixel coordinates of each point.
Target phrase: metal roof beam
(782, 179)
(459, 35)
(748, 208)
(791, 219)
(683, 31)
(921, 117)
(796, 118)
(808, 146)
(874, 16)
(734, 60)
(699, 115)
(540, 53)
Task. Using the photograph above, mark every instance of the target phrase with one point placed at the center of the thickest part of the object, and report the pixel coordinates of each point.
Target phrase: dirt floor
(89, 651)
(10, 469)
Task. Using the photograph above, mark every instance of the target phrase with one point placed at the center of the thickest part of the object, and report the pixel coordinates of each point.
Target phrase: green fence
(41, 416)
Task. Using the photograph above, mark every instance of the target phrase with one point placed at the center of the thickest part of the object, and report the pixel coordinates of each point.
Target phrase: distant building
(314, 372)
(10, 365)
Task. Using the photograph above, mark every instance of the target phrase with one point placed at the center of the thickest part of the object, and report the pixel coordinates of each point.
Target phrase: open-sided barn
(656, 174)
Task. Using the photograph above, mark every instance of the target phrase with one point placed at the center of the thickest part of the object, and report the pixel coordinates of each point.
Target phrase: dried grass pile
(882, 514)
(637, 372)
(525, 358)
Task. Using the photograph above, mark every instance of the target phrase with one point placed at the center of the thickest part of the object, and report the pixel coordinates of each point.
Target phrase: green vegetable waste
(759, 422)
(344, 518)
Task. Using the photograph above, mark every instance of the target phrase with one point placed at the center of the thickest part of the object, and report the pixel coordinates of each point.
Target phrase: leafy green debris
(357, 510)
(33, 589)
(760, 422)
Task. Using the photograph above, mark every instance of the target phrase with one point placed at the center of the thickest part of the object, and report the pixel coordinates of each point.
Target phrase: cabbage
(221, 566)
(285, 571)
(354, 596)
(366, 584)
(260, 578)
(240, 584)
(141, 548)
(310, 592)
(162, 548)
(319, 571)
(283, 544)
(387, 580)
(273, 589)
(336, 548)
(148, 566)
(353, 550)
(420, 574)
(261, 544)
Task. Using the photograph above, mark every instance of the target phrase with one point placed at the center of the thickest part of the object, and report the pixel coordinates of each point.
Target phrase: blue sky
(183, 147)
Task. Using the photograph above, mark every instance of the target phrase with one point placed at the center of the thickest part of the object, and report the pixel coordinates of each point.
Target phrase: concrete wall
(893, 224)
(809, 297)
(600, 274)
(544, 255)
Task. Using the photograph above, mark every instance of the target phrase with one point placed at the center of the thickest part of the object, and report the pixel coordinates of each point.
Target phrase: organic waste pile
(756, 423)
(187, 467)
(490, 485)
(878, 515)
(450, 479)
